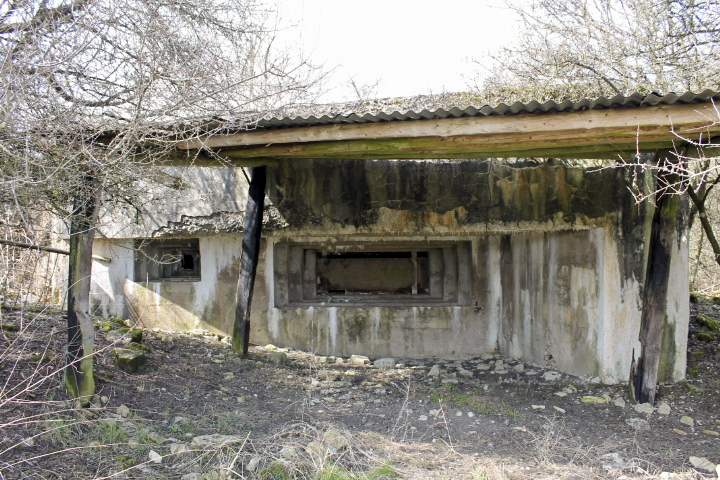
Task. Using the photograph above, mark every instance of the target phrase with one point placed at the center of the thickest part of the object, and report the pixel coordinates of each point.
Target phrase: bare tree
(91, 91)
(580, 48)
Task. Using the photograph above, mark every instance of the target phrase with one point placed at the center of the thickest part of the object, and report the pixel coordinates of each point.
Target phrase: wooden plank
(249, 259)
(628, 120)
(663, 234)
(460, 147)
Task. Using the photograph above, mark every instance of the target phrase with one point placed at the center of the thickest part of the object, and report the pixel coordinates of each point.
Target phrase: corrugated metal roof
(391, 110)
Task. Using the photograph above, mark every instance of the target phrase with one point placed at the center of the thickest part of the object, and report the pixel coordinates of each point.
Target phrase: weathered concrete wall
(557, 263)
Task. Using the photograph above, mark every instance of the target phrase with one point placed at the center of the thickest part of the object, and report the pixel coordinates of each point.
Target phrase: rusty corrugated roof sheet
(434, 107)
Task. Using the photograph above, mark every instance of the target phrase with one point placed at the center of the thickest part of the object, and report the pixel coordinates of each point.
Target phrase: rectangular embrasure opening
(372, 273)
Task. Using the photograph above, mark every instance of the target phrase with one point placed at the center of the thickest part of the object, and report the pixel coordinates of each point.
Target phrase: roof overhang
(597, 133)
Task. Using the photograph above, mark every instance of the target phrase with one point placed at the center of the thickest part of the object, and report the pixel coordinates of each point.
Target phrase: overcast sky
(407, 47)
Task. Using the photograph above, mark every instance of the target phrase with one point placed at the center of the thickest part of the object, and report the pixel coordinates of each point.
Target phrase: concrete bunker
(373, 242)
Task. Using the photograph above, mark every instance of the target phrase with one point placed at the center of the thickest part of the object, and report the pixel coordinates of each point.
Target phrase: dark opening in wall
(167, 260)
(372, 273)
(375, 273)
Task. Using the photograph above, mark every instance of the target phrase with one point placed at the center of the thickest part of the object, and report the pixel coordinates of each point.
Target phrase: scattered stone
(215, 440)
(316, 449)
(595, 380)
(663, 408)
(193, 476)
(155, 437)
(176, 448)
(561, 410)
(711, 432)
(241, 399)
(288, 453)
(434, 371)
(278, 358)
(551, 376)
(615, 461)
(679, 432)
(271, 347)
(123, 411)
(519, 368)
(180, 420)
(358, 360)
(708, 322)
(458, 414)
(423, 418)
(155, 457)
(384, 363)
(487, 356)
(136, 335)
(705, 337)
(253, 464)
(538, 407)
(703, 463)
(449, 381)
(531, 372)
(104, 400)
(687, 421)
(335, 440)
(561, 394)
(644, 408)
(434, 412)
(593, 399)
(638, 424)
(499, 365)
(471, 414)
(27, 442)
(229, 375)
(129, 360)
(483, 366)
(619, 402)
(464, 373)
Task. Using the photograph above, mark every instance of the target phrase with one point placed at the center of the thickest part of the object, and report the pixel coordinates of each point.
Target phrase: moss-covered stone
(136, 335)
(129, 360)
(705, 337)
(138, 347)
(708, 322)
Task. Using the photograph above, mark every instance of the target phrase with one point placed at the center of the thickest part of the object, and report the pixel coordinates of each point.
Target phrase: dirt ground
(279, 414)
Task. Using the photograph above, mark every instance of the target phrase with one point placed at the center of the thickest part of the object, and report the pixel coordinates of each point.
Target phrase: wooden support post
(79, 379)
(663, 235)
(249, 260)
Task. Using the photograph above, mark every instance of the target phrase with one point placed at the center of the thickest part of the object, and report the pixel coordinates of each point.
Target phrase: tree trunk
(79, 379)
(699, 203)
(249, 260)
(663, 234)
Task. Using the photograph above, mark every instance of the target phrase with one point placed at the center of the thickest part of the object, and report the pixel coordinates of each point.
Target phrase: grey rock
(384, 363)
(551, 376)
(288, 453)
(358, 360)
(176, 448)
(434, 371)
(253, 464)
(663, 408)
(644, 408)
(123, 411)
(619, 402)
(279, 358)
(216, 440)
(155, 457)
(702, 463)
(687, 421)
(335, 439)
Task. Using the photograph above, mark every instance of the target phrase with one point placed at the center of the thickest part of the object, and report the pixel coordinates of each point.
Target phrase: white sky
(409, 47)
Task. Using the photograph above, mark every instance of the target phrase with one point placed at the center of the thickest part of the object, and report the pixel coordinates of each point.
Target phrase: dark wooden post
(663, 234)
(79, 379)
(249, 260)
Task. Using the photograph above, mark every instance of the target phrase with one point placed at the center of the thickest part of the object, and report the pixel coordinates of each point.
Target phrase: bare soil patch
(483, 417)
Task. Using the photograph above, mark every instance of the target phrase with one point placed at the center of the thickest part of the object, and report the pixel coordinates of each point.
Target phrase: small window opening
(161, 260)
(372, 273)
